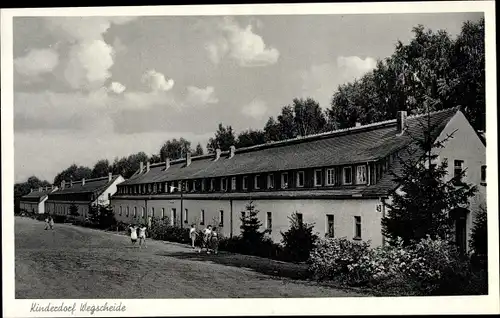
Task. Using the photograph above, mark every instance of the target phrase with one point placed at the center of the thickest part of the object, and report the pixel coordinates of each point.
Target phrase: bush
(265, 248)
(340, 259)
(298, 240)
(162, 230)
(479, 239)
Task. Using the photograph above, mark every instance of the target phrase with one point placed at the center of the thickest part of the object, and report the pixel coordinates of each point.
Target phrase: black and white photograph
(157, 160)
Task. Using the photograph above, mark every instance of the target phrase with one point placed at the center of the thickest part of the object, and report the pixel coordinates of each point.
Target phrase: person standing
(47, 223)
(51, 223)
(192, 235)
(142, 236)
(207, 233)
(214, 241)
(133, 234)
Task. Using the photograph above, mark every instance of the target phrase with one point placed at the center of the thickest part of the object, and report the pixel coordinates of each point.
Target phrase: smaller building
(83, 194)
(34, 202)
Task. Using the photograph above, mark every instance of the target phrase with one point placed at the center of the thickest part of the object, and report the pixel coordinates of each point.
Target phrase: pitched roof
(91, 186)
(37, 196)
(347, 146)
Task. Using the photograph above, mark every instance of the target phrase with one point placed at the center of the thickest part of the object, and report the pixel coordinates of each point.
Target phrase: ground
(73, 262)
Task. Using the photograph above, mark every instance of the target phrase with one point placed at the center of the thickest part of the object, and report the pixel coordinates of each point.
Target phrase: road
(72, 262)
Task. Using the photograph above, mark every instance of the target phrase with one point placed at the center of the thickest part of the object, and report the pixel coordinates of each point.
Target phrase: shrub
(162, 230)
(298, 240)
(340, 259)
(479, 239)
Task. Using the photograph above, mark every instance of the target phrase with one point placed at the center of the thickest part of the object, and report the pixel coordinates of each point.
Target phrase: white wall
(103, 198)
(314, 211)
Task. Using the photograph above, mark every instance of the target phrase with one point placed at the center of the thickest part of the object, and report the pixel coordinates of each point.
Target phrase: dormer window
(256, 182)
(223, 184)
(284, 180)
(317, 178)
(270, 181)
(347, 175)
(300, 179)
(212, 184)
(244, 183)
(154, 187)
(233, 183)
(203, 185)
(361, 174)
(187, 185)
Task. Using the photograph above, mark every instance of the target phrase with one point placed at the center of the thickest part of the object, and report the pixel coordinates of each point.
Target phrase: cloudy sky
(92, 88)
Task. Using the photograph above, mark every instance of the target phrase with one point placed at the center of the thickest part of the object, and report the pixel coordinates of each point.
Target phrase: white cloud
(157, 82)
(36, 62)
(255, 109)
(242, 45)
(90, 57)
(354, 66)
(117, 88)
(201, 96)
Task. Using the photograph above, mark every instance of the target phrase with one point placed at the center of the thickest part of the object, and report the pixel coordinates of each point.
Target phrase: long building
(34, 202)
(337, 180)
(83, 194)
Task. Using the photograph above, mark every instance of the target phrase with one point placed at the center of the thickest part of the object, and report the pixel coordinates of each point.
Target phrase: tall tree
(308, 116)
(101, 169)
(198, 151)
(73, 172)
(251, 137)
(155, 158)
(423, 198)
(175, 149)
(286, 123)
(272, 130)
(432, 68)
(224, 138)
(127, 166)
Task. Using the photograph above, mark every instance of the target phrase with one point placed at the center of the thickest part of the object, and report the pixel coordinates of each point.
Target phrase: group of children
(49, 223)
(138, 232)
(209, 242)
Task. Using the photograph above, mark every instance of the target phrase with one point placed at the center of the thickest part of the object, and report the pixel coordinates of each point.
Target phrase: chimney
(148, 166)
(217, 154)
(141, 167)
(188, 159)
(110, 175)
(63, 183)
(358, 124)
(52, 187)
(71, 183)
(83, 182)
(167, 163)
(232, 150)
(401, 121)
(40, 189)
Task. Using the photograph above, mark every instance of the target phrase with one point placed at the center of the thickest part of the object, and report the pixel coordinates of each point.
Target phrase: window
(109, 196)
(244, 183)
(185, 215)
(483, 175)
(269, 221)
(212, 184)
(330, 176)
(135, 211)
(121, 210)
(162, 213)
(186, 187)
(174, 217)
(300, 218)
(256, 182)
(284, 180)
(128, 211)
(330, 229)
(195, 185)
(223, 184)
(357, 227)
(243, 214)
(202, 217)
(458, 170)
(361, 174)
(142, 212)
(270, 181)
(347, 175)
(300, 179)
(154, 187)
(203, 185)
(317, 177)
(152, 212)
(233, 183)
(221, 218)
(167, 189)
(150, 188)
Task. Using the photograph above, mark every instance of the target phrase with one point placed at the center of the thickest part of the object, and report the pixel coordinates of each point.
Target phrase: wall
(62, 208)
(32, 207)
(103, 198)
(314, 211)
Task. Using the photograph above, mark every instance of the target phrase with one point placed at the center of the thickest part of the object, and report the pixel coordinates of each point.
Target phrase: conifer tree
(250, 225)
(424, 197)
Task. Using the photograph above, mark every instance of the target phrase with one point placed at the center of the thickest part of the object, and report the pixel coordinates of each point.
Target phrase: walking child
(46, 223)
(214, 241)
(192, 235)
(51, 223)
(133, 234)
(206, 238)
(142, 236)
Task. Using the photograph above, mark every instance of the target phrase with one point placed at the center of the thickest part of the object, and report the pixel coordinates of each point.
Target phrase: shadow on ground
(257, 264)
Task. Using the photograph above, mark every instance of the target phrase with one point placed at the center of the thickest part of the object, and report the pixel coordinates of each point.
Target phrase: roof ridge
(456, 108)
(94, 179)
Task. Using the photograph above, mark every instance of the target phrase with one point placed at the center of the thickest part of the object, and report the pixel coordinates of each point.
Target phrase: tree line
(432, 72)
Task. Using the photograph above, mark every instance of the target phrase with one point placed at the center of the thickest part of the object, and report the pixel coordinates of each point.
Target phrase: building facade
(337, 180)
(34, 202)
(82, 194)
